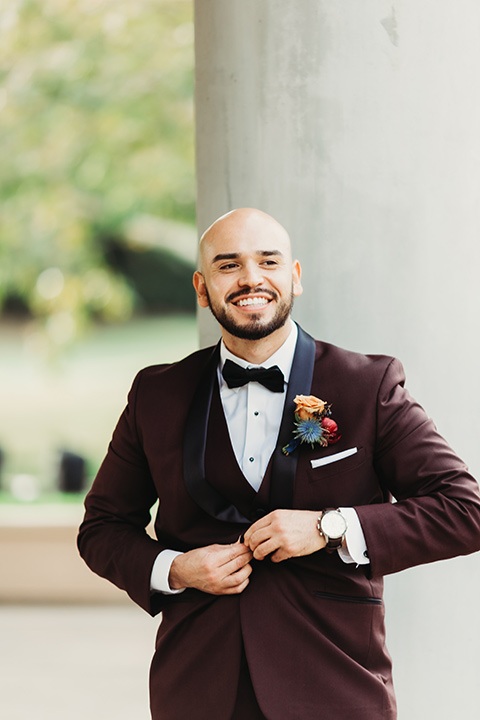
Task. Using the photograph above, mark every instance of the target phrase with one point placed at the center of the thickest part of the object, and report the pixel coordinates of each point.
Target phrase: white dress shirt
(253, 414)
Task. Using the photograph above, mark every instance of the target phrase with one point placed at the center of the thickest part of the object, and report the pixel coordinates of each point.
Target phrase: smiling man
(247, 278)
(275, 458)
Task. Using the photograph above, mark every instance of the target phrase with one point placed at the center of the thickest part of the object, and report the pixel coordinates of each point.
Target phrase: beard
(256, 328)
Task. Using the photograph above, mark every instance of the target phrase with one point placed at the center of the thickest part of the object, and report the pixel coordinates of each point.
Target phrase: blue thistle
(309, 431)
(306, 431)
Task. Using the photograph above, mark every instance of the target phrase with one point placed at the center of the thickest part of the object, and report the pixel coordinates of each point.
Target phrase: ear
(297, 274)
(200, 289)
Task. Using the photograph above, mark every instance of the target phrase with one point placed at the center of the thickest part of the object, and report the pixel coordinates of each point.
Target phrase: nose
(251, 275)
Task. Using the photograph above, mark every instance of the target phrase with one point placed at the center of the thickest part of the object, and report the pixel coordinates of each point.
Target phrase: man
(274, 527)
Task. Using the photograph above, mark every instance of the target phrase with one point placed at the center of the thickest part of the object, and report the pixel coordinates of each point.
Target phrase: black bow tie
(236, 376)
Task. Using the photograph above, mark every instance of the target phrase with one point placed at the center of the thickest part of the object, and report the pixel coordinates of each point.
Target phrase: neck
(257, 351)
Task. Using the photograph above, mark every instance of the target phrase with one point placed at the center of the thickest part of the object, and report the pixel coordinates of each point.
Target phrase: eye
(228, 266)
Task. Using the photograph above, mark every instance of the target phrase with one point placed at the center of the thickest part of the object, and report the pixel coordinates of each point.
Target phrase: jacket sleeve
(112, 538)
(436, 512)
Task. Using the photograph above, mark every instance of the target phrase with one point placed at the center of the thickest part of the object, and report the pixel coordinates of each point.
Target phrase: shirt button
(251, 459)
(255, 413)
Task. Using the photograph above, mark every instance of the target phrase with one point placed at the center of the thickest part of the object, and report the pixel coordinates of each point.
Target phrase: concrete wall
(356, 125)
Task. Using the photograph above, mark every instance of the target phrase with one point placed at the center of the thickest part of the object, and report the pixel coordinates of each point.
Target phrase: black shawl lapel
(194, 442)
(283, 467)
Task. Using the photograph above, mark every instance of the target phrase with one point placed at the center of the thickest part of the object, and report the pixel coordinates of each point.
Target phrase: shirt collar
(283, 357)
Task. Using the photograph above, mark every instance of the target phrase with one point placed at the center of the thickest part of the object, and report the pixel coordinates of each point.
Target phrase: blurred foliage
(96, 128)
(161, 279)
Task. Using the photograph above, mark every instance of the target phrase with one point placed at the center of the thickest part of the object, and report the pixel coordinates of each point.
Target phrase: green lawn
(73, 400)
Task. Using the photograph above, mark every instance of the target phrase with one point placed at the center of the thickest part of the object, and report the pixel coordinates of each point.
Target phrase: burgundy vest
(223, 471)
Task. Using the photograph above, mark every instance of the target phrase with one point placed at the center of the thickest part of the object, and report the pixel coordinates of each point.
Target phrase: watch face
(333, 524)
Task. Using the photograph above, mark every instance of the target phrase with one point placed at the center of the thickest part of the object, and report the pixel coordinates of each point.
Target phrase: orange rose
(308, 406)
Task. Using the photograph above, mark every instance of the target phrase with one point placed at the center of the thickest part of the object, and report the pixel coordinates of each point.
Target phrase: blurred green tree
(96, 100)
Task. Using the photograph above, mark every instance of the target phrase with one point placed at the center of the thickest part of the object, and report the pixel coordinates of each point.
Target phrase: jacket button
(259, 513)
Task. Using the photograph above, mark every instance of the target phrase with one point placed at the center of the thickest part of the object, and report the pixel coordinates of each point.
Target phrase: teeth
(253, 301)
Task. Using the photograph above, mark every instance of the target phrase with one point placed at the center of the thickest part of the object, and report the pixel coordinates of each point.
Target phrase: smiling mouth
(256, 298)
(253, 302)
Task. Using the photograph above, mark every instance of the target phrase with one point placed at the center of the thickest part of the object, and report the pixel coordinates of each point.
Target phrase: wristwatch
(332, 526)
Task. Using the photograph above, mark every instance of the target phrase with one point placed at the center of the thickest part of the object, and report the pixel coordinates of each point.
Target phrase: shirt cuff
(356, 547)
(161, 571)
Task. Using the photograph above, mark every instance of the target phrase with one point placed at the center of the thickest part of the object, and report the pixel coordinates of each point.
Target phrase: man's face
(248, 279)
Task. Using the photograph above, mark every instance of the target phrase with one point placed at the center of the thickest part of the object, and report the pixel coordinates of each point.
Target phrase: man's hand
(215, 569)
(286, 534)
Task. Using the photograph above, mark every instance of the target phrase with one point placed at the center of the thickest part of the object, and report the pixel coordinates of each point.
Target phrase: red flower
(330, 427)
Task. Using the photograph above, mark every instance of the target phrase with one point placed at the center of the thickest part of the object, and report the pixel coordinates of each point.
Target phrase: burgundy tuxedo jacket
(311, 628)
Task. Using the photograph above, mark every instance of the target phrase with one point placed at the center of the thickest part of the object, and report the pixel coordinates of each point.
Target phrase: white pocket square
(333, 458)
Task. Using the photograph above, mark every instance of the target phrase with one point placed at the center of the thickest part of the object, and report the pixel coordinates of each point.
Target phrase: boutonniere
(313, 424)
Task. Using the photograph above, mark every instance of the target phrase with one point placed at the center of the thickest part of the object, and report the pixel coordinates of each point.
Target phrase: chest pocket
(336, 465)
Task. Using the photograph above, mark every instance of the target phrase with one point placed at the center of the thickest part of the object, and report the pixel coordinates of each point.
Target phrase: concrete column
(356, 125)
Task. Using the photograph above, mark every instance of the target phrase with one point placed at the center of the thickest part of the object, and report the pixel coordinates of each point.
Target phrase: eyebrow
(235, 256)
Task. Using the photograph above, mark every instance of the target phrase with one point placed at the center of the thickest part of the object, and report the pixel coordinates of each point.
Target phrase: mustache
(241, 293)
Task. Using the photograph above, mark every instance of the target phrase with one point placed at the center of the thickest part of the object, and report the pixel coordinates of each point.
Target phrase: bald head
(248, 280)
(240, 225)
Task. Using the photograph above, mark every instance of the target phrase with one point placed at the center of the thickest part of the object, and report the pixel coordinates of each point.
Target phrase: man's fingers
(266, 539)
(279, 556)
(224, 569)
(220, 569)
(237, 589)
(233, 567)
(238, 578)
(233, 582)
(259, 525)
(259, 537)
(265, 548)
(207, 568)
(232, 553)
